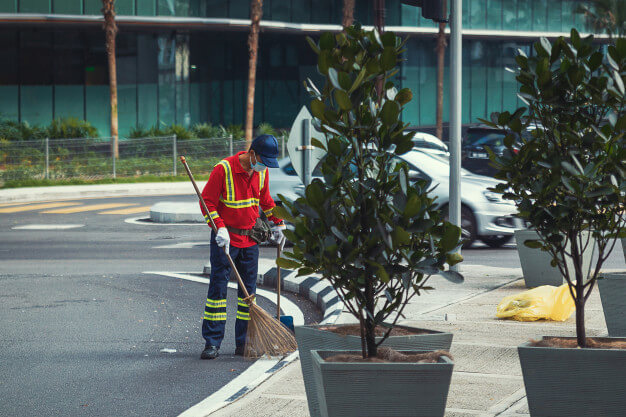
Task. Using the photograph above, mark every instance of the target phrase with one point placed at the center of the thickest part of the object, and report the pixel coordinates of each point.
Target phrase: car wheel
(468, 226)
(496, 241)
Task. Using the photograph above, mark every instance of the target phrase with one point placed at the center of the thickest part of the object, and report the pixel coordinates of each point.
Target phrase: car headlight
(493, 197)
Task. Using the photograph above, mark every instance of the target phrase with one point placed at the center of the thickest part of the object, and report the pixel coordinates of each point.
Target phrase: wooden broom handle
(212, 226)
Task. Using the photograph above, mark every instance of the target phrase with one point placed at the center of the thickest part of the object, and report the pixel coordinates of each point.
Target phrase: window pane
(494, 14)
(69, 101)
(125, 7)
(239, 9)
(36, 57)
(494, 78)
(567, 15)
(478, 10)
(69, 67)
(478, 80)
(34, 6)
(98, 108)
(36, 104)
(509, 83)
(540, 15)
(8, 6)
(67, 6)
(409, 15)
(93, 7)
(9, 75)
(509, 14)
(428, 83)
(146, 7)
(554, 16)
(524, 14)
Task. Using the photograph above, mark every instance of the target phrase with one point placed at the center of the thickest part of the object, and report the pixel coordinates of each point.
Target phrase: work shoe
(210, 352)
(239, 350)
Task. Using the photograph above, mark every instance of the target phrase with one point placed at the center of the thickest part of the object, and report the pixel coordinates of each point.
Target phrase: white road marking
(183, 245)
(256, 373)
(142, 221)
(47, 226)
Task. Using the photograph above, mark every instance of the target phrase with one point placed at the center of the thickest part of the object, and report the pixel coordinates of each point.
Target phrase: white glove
(223, 238)
(277, 233)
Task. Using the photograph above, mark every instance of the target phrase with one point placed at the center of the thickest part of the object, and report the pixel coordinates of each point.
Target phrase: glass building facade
(186, 61)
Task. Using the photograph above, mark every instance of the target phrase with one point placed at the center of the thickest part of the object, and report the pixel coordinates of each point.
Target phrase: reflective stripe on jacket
(233, 198)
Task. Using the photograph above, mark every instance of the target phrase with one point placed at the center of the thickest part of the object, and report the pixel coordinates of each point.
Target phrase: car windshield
(484, 137)
(431, 164)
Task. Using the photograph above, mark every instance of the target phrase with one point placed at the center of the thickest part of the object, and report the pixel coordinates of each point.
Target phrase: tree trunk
(256, 12)
(110, 30)
(379, 23)
(348, 13)
(441, 59)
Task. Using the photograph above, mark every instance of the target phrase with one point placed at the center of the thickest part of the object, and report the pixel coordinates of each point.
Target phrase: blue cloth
(214, 323)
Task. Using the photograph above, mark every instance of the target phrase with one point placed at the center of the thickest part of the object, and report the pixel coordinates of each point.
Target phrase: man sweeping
(237, 186)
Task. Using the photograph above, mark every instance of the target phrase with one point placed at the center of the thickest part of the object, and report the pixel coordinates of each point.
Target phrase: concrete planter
(613, 295)
(312, 338)
(574, 382)
(348, 389)
(536, 263)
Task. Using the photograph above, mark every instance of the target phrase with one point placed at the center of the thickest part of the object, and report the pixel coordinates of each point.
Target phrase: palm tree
(605, 16)
(110, 30)
(441, 58)
(348, 13)
(256, 12)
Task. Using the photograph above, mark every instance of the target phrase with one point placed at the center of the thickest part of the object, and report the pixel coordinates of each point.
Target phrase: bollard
(174, 153)
(47, 173)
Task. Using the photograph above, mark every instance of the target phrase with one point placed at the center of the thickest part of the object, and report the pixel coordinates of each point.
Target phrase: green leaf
(318, 144)
(287, 263)
(390, 112)
(388, 59)
(327, 41)
(400, 236)
(451, 237)
(454, 258)
(388, 39)
(534, 244)
(404, 96)
(343, 100)
(317, 109)
(314, 194)
(413, 206)
(359, 79)
(282, 213)
(313, 45)
(333, 76)
(452, 276)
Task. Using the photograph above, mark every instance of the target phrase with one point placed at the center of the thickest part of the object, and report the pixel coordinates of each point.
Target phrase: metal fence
(89, 158)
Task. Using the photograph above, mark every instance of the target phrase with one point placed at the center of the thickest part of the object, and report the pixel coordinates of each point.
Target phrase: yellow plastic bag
(541, 303)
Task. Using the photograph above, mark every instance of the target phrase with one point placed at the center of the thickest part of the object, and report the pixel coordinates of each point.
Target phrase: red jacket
(233, 197)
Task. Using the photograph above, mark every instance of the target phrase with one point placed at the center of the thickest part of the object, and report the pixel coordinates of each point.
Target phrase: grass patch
(79, 181)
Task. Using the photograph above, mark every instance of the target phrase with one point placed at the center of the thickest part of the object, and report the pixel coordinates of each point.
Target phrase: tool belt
(260, 232)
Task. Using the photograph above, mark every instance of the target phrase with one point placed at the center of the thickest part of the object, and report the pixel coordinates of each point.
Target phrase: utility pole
(456, 62)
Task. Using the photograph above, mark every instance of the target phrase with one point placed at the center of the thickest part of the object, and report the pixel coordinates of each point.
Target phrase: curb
(68, 192)
(313, 287)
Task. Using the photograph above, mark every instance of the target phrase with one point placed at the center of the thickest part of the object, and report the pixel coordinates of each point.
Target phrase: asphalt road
(83, 328)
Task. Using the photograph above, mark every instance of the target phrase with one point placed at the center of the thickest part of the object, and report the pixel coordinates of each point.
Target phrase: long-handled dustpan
(287, 321)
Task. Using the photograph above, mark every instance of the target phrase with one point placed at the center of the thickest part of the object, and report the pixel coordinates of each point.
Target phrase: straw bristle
(267, 336)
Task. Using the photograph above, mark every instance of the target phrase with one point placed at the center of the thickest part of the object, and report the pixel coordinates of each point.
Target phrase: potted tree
(373, 232)
(568, 183)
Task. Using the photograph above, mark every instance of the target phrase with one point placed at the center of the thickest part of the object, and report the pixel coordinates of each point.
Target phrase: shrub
(70, 128)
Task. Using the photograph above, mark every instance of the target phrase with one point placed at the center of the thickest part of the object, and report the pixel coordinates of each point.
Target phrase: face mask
(258, 166)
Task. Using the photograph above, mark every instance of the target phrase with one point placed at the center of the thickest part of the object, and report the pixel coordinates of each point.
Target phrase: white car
(485, 215)
(430, 143)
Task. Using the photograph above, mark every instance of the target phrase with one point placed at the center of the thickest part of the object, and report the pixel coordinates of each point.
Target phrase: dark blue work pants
(247, 262)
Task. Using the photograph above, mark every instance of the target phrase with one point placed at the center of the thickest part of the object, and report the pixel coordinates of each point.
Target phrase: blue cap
(266, 146)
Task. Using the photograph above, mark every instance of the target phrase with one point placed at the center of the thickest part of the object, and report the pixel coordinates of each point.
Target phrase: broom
(266, 335)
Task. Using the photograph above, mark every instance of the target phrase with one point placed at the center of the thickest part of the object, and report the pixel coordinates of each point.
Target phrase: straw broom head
(267, 336)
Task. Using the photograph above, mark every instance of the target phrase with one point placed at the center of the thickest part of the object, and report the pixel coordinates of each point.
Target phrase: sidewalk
(66, 192)
(487, 379)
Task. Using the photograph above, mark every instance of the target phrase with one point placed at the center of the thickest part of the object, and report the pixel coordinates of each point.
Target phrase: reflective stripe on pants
(214, 322)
